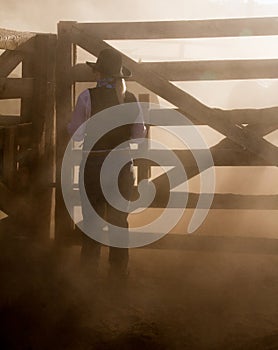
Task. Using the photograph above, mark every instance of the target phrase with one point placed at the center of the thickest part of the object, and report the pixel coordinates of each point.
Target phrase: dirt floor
(172, 299)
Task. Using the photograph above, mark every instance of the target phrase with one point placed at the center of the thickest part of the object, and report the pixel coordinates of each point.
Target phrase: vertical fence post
(42, 139)
(144, 170)
(45, 131)
(28, 71)
(25, 143)
(9, 156)
(50, 125)
(64, 105)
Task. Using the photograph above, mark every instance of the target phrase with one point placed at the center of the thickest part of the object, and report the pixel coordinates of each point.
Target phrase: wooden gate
(244, 144)
(27, 139)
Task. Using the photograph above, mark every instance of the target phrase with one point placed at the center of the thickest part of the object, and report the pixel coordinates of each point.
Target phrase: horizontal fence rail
(243, 129)
(16, 88)
(199, 70)
(234, 27)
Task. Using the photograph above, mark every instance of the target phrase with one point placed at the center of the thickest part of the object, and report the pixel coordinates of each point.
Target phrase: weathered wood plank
(198, 70)
(24, 132)
(15, 206)
(227, 201)
(9, 156)
(216, 70)
(182, 29)
(144, 170)
(42, 114)
(179, 98)
(221, 157)
(16, 87)
(162, 181)
(28, 71)
(39, 100)
(237, 116)
(220, 201)
(9, 120)
(2, 133)
(64, 104)
(232, 156)
(251, 116)
(204, 243)
(46, 164)
(263, 129)
(50, 106)
(8, 61)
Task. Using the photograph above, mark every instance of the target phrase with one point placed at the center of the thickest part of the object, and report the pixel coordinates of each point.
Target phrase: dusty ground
(173, 299)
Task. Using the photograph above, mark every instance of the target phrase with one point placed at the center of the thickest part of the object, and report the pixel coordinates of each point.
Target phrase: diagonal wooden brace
(188, 104)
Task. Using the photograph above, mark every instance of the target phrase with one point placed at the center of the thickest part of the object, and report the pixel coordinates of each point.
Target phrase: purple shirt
(82, 112)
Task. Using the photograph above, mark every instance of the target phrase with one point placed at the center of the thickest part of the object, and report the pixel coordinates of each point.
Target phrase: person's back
(110, 91)
(103, 98)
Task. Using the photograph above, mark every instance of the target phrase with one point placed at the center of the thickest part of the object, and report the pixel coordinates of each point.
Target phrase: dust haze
(215, 290)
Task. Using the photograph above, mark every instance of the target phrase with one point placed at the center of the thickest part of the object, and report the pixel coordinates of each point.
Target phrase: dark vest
(102, 98)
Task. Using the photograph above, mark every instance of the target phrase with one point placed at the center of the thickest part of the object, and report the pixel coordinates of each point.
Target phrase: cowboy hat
(109, 63)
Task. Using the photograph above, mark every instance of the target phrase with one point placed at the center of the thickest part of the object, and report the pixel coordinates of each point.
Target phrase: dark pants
(90, 253)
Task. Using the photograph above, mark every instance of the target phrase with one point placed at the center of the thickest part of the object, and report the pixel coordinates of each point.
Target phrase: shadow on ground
(171, 300)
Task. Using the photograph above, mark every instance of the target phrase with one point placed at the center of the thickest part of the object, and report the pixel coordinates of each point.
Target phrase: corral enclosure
(238, 137)
(243, 141)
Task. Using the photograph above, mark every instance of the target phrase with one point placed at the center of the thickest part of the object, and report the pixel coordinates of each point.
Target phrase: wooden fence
(244, 145)
(27, 139)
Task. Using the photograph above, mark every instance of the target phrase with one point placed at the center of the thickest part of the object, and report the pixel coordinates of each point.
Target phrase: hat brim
(126, 73)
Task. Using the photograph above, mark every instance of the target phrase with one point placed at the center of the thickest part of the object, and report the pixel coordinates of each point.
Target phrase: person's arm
(79, 116)
(139, 129)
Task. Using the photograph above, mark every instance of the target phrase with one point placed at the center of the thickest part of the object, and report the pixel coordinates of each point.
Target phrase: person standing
(109, 91)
